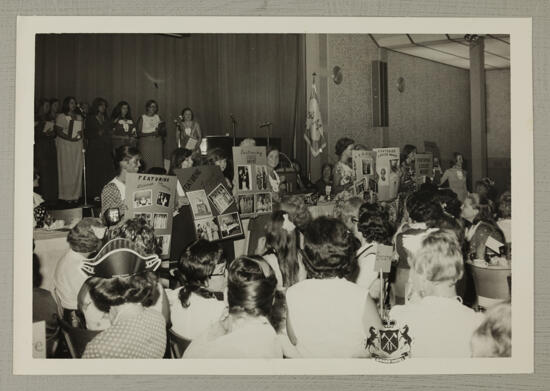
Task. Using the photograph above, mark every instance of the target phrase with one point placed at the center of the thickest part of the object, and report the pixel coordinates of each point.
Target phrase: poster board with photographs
(364, 163)
(253, 190)
(152, 197)
(387, 169)
(213, 207)
(423, 166)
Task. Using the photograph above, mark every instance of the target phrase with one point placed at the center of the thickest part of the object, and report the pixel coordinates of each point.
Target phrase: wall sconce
(337, 75)
(400, 84)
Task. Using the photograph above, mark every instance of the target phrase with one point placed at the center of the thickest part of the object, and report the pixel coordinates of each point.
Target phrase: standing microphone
(232, 118)
(263, 125)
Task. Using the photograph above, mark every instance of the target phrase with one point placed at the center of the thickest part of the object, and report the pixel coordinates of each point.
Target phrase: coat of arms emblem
(389, 344)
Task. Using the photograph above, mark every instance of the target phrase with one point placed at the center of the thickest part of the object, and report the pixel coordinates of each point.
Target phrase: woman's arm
(139, 126)
(444, 178)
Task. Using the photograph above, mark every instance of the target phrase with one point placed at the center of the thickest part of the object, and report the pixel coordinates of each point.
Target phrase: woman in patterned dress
(343, 173)
(150, 130)
(187, 129)
(99, 149)
(124, 129)
(69, 126)
(127, 160)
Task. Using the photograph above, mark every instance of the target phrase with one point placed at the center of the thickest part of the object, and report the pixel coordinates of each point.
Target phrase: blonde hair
(439, 257)
(493, 337)
(347, 210)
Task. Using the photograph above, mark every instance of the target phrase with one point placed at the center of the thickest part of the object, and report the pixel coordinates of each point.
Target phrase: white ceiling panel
(391, 41)
(424, 38)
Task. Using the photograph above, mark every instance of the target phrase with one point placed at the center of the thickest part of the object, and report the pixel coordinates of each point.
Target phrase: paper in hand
(493, 244)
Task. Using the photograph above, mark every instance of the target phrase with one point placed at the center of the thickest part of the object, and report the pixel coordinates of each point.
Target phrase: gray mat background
(539, 10)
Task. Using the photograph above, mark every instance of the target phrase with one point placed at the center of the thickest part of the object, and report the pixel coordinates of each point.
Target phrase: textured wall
(435, 105)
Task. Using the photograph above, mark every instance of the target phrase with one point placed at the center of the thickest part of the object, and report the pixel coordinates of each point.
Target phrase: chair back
(75, 337)
(67, 215)
(491, 284)
(178, 344)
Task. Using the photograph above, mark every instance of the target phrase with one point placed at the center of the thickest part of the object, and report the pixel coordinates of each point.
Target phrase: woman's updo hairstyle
(251, 287)
(330, 249)
(82, 238)
(298, 211)
(124, 153)
(140, 233)
(374, 224)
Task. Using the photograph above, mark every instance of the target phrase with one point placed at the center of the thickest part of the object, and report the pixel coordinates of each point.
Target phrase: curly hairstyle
(407, 149)
(422, 208)
(342, 144)
(139, 232)
(252, 289)
(493, 337)
(188, 109)
(439, 257)
(449, 202)
(117, 111)
(374, 224)
(297, 210)
(151, 102)
(140, 288)
(283, 244)
(178, 157)
(330, 249)
(215, 155)
(95, 106)
(195, 268)
(484, 206)
(347, 210)
(505, 205)
(66, 102)
(82, 238)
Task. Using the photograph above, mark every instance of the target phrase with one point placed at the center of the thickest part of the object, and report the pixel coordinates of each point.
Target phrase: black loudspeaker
(380, 94)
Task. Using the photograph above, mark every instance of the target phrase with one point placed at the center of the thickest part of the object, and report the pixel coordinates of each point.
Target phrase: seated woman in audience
(504, 221)
(328, 314)
(127, 160)
(456, 176)
(478, 216)
(188, 132)
(282, 252)
(343, 173)
(124, 285)
(439, 324)
(493, 337)
(194, 306)
(44, 307)
(347, 212)
(375, 229)
(150, 130)
(324, 184)
(124, 129)
(84, 239)
(247, 330)
(218, 157)
(181, 158)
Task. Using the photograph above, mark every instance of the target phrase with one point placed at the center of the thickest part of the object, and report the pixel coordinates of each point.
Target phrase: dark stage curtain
(255, 77)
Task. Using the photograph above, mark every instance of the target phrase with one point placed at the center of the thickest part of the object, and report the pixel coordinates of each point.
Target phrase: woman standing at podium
(151, 129)
(69, 125)
(188, 131)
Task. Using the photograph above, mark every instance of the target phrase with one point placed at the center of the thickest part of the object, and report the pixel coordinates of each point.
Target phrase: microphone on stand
(267, 125)
(234, 123)
(232, 118)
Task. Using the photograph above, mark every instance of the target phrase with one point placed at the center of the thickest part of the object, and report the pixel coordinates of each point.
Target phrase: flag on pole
(314, 134)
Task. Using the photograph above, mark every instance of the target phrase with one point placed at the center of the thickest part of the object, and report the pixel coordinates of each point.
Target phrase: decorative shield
(389, 340)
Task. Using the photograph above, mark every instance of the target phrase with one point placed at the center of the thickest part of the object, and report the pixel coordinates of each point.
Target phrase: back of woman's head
(215, 155)
(124, 153)
(330, 249)
(348, 210)
(493, 337)
(484, 207)
(281, 239)
(449, 202)
(422, 208)
(439, 258)
(251, 286)
(86, 236)
(139, 289)
(139, 232)
(178, 157)
(342, 144)
(195, 268)
(374, 224)
(297, 210)
(505, 205)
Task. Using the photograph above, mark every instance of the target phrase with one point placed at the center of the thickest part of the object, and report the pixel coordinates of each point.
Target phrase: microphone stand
(85, 205)
(234, 125)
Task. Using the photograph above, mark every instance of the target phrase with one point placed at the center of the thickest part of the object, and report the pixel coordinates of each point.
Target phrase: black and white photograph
(163, 199)
(145, 216)
(160, 220)
(262, 203)
(245, 203)
(230, 225)
(207, 229)
(261, 178)
(244, 179)
(199, 204)
(143, 198)
(359, 86)
(221, 198)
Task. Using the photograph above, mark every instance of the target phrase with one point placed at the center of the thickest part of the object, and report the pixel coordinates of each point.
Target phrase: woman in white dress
(150, 130)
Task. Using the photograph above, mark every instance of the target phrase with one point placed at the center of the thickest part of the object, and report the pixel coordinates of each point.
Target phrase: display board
(387, 169)
(423, 165)
(364, 164)
(152, 197)
(214, 211)
(252, 187)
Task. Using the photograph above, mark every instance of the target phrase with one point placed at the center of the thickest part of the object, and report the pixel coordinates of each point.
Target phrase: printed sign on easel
(387, 168)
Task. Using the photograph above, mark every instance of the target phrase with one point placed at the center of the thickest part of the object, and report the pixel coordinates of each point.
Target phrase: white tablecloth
(50, 246)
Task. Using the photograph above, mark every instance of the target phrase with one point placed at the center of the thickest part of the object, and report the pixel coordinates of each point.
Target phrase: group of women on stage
(64, 135)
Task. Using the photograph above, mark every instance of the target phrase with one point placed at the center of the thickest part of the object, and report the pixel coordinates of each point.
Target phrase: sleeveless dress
(150, 142)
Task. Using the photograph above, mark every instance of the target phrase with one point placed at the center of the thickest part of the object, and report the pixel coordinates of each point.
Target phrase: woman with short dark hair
(188, 130)
(328, 314)
(124, 129)
(343, 173)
